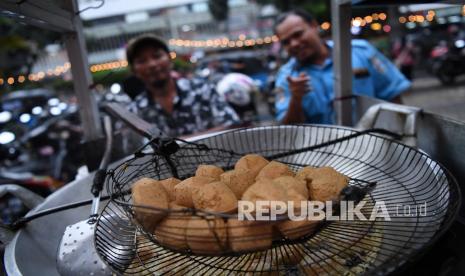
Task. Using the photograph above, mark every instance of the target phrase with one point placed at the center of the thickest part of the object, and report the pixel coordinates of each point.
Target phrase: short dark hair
(146, 40)
(307, 17)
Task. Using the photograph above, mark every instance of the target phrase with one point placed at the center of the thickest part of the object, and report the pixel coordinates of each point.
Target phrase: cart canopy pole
(77, 53)
(342, 60)
(40, 13)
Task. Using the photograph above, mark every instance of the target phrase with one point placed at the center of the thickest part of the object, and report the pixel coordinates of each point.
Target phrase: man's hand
(299, 86)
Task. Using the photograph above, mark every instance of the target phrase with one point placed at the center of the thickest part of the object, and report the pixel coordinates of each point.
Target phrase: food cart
(32, 250)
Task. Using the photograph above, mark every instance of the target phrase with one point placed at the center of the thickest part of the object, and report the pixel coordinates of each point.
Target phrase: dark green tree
(20, 46)
(219, 9)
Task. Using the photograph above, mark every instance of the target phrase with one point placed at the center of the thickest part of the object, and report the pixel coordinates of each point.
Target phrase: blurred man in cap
(178, 107)
(304, 85)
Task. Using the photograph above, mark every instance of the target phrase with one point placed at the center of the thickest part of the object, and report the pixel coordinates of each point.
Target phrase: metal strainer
(76, 253)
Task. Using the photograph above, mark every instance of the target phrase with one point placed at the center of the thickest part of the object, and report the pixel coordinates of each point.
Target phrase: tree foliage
(219, 9)
(20, 46)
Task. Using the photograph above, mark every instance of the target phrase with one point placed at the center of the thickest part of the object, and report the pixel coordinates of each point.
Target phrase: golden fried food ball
(171, 231)
(238, 181)
(207, 235)
(324, 184)
(244, 235)
(254, 163)
(209, 171)
(151, 193)
(293, 229)
(173, 206)
(274, 170)
(183, 190)
(265, 190)
(215, 197)
(296, 189)
(306, 173)
(169, 184)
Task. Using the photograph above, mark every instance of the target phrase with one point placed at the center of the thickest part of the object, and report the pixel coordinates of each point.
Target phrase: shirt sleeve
(222, 112)
(282, 94)
(388, 81)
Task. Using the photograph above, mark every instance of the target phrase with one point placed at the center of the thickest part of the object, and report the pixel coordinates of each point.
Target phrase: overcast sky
(117, 7)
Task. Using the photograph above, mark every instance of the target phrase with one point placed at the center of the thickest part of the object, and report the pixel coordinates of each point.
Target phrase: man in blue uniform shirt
(304, 85)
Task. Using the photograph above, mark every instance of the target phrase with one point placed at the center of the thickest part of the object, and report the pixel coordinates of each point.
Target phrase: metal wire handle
(100, 175)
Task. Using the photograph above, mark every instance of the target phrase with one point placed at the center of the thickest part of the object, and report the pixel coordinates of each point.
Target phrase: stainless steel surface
(27, 197)
(409, 129)
(342, 60)
(441, 138)
(444, 140)
(33, 249)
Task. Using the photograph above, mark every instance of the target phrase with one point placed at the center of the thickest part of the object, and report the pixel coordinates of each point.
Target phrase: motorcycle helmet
(236, 88)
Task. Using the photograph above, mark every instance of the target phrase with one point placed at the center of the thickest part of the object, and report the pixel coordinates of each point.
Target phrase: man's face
(152, 65)
(299, 38)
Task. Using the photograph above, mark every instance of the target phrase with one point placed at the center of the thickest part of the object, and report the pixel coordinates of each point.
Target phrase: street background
(428, 93)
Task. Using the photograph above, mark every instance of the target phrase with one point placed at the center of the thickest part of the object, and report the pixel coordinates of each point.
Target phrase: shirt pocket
(362, 81)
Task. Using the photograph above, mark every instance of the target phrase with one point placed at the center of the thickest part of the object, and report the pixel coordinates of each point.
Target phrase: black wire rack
(420, 196)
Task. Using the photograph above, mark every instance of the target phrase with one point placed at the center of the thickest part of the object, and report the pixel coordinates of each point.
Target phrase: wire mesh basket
(420, 196)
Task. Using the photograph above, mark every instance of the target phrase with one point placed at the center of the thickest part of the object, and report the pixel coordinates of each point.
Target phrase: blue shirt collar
(328, 62)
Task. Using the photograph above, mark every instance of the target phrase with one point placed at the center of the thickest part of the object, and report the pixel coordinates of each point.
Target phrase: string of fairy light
(242, 41)
(375, 21)
(224, 42)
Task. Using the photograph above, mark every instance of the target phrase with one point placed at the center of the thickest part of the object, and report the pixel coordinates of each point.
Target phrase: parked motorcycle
(39, 145)
(448, 61)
